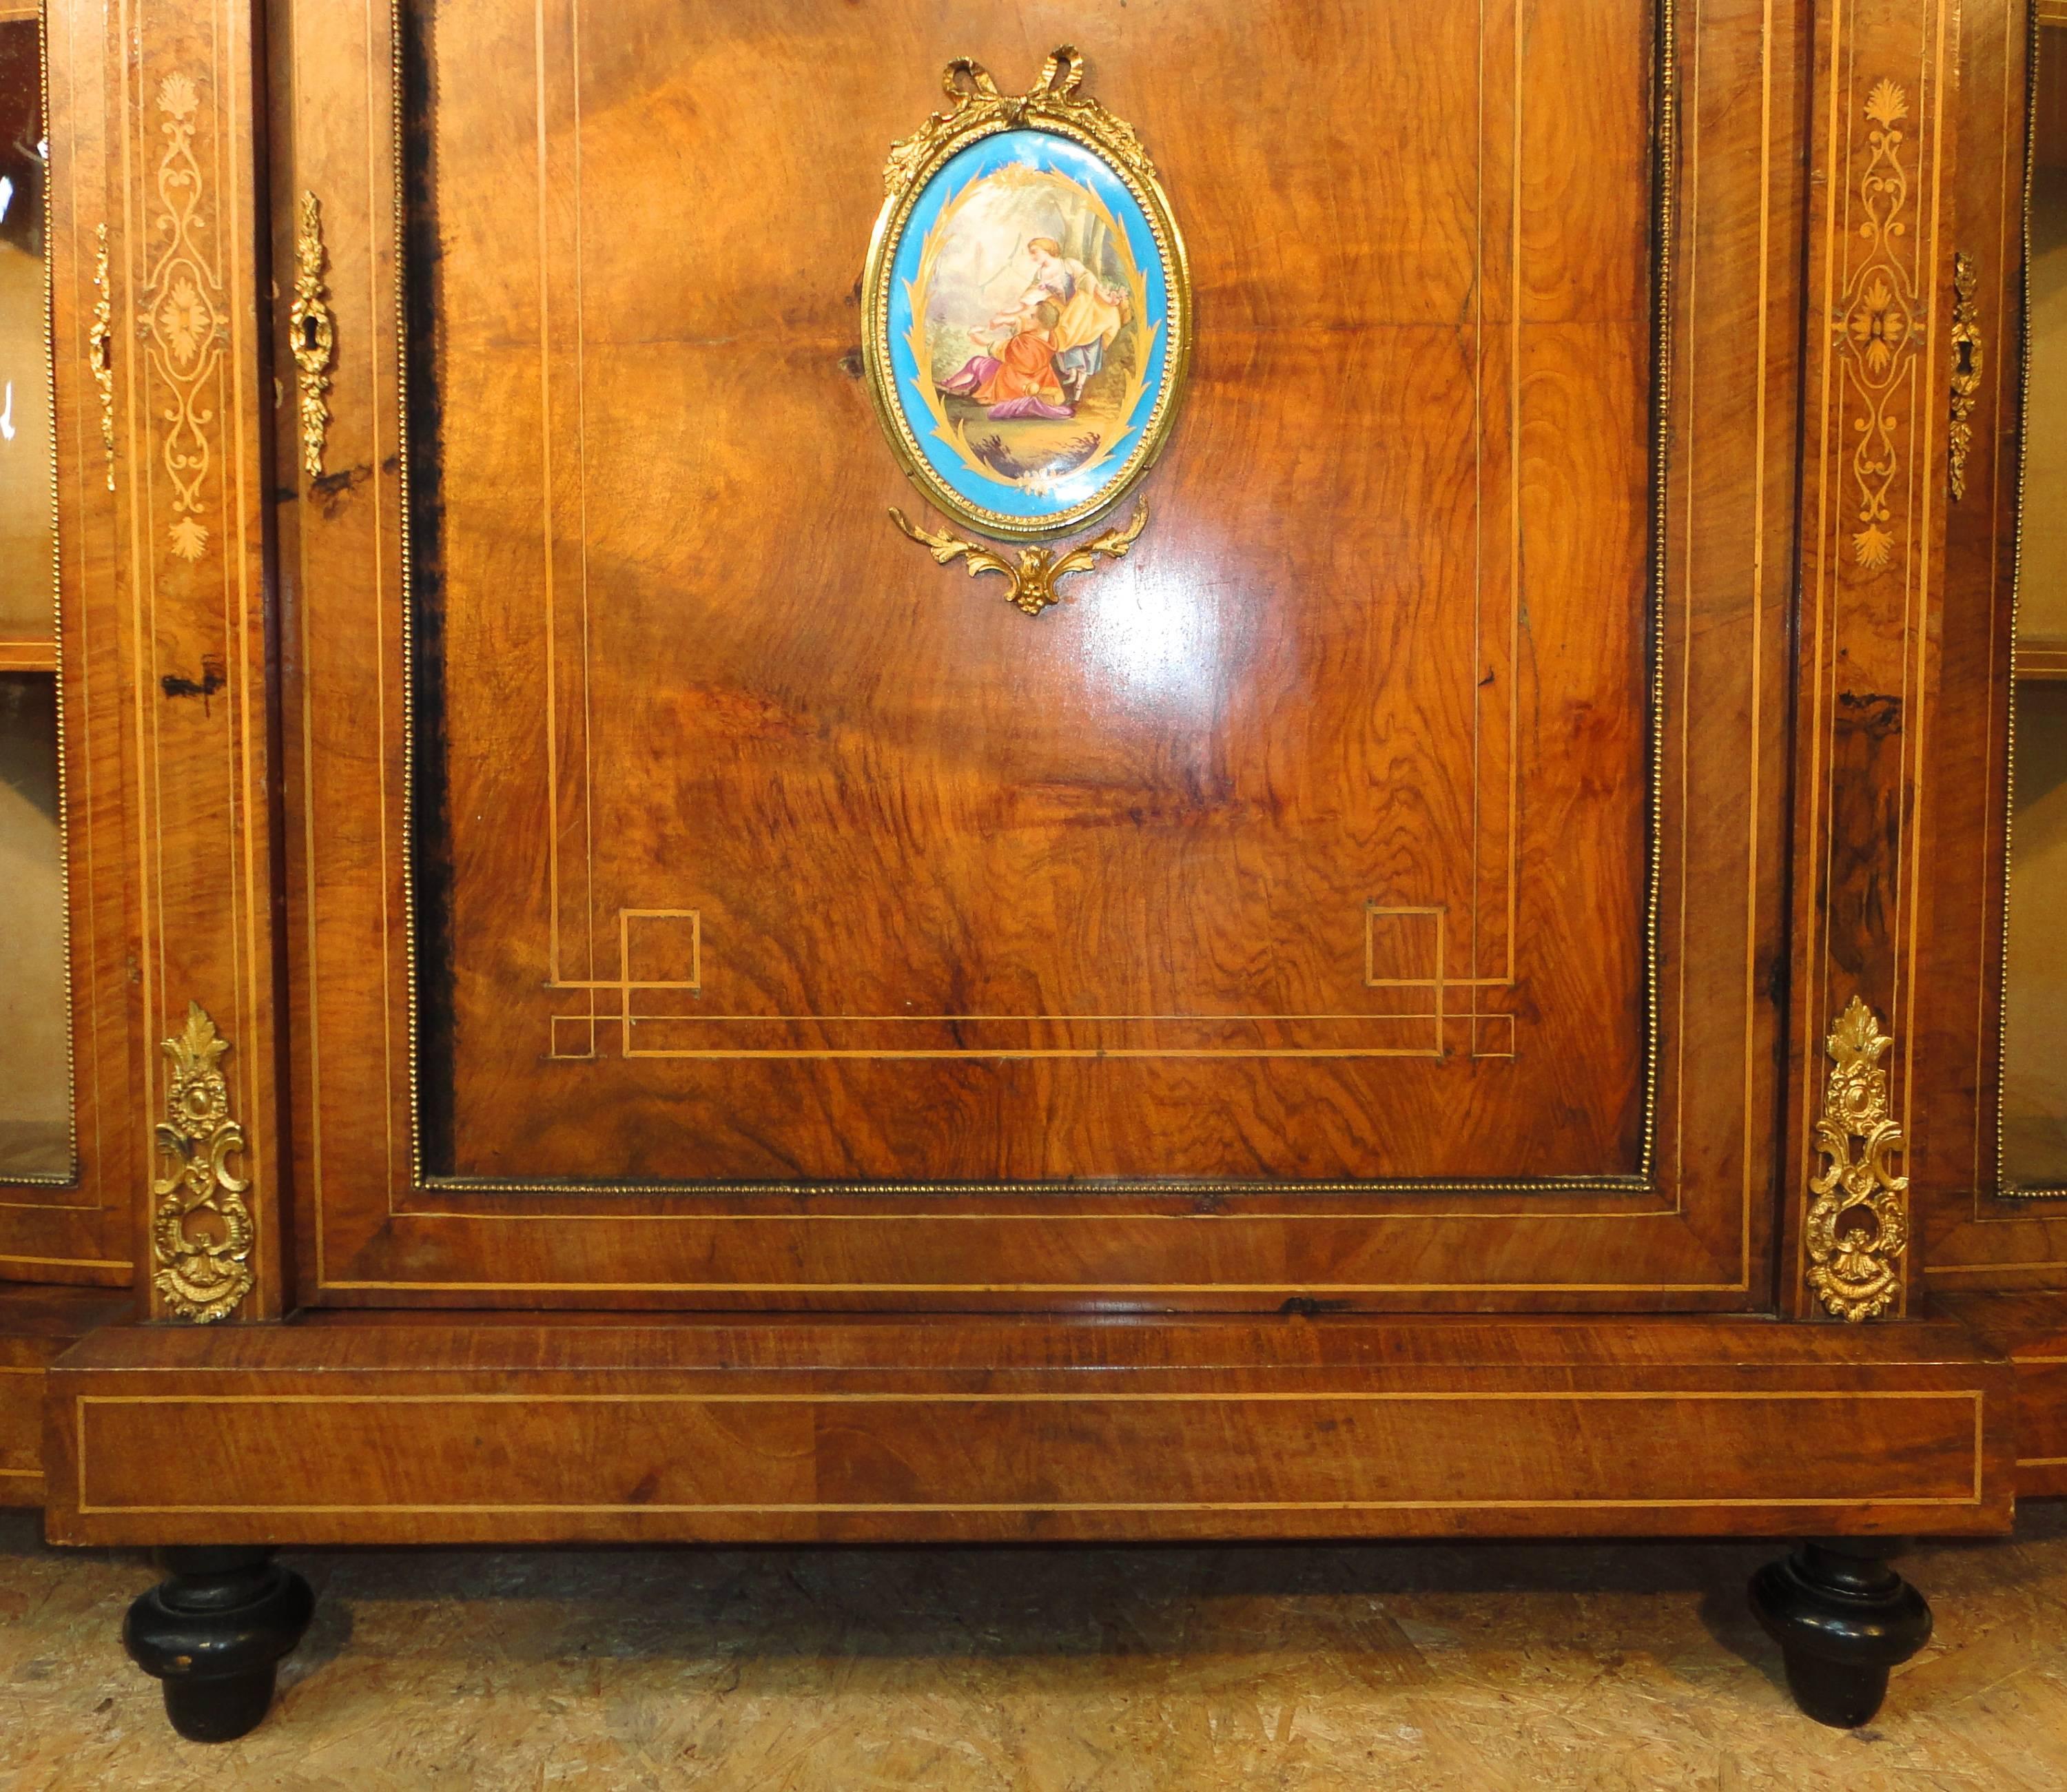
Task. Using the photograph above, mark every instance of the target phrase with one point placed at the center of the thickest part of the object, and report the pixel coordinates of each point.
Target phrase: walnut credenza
(1429, 973)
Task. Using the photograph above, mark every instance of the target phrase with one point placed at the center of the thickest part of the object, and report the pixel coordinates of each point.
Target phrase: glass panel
(35, 1091)
(2034, 1057)
(25, 442)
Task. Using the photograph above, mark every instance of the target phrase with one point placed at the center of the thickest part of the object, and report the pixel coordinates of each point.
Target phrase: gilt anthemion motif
(181, 318)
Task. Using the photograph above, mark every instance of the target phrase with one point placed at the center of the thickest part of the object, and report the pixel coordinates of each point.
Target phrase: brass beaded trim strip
(70, 1176)
(2004, 1189)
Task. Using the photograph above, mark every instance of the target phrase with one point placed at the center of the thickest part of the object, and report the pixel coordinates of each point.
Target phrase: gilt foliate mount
(201, 1232)
(1027, 307)
(1031, 573)
(1858, 1225)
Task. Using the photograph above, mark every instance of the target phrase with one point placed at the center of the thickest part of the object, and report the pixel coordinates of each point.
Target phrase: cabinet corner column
(193, 420)
(1875, 427)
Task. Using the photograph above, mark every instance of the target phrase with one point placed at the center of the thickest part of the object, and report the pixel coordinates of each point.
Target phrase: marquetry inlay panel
(1873, 565)
(192, 582)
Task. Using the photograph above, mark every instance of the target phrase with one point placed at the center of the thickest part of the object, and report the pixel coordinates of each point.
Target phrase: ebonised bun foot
(1842, 1619)
(214, 1632)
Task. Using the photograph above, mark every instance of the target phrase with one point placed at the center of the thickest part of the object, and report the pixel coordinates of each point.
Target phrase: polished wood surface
(2030, 1329)
(1872, 558)
(1195, 789)
(1975, 1239)
(186, 586)
(88, 1231)
(1305, 846)
(691, 723)
(38, 1325)
(1023, 1428)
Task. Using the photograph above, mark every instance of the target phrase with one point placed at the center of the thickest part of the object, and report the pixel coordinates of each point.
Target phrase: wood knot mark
(1305, 1307)
(214, 675)
(1873, 713)
(330, 490)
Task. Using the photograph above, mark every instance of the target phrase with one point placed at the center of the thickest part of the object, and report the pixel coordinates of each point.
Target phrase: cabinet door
(1991, 1178)
(1368, 890)
(71, 1146)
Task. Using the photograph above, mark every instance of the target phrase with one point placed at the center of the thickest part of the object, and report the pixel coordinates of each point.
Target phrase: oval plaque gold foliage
(1028, 312)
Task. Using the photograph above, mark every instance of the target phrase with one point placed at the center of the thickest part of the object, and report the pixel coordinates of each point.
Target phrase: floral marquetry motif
(181, 317)
(201, 1233)
(1857, 1226)
(1877, 326)
(100, 348)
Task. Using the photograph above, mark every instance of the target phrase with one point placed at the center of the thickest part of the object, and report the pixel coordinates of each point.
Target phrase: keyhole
(309, 335)
(1966, 358)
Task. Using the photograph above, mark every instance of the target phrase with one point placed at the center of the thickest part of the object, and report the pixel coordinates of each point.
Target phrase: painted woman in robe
(1090, 315)
(1048, 346)
(1019, 379)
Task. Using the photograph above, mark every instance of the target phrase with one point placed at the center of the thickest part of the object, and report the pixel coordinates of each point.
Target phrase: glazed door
(1364, 885)
(71, 1156)
(1991, 1185)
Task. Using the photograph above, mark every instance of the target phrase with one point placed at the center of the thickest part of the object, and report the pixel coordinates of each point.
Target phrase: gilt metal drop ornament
(1858, 1225)
(201, 1232)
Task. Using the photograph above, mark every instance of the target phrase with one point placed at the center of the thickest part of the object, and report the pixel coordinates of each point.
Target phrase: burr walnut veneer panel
(795, 922)
(1303, 846)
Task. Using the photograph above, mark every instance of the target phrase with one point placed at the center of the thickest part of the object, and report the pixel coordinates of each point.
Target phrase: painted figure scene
(1031, 304)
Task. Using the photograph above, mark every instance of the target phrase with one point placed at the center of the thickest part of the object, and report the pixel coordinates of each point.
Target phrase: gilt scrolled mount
(1967, 363)
(1858, 1225)
(100, 348)
(201, 1232)
(1028, 313)
(1031, 573)
(314, 334)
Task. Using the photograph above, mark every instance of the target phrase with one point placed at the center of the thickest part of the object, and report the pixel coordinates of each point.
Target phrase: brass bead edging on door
(1031, 578)
(100, 348)
(1855, 1267)
(1966, 369)
(1666, 166)
(314, 333)
(203, 1273)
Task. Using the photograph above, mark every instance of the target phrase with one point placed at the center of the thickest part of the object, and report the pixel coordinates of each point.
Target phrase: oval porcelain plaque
(1028, 311)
